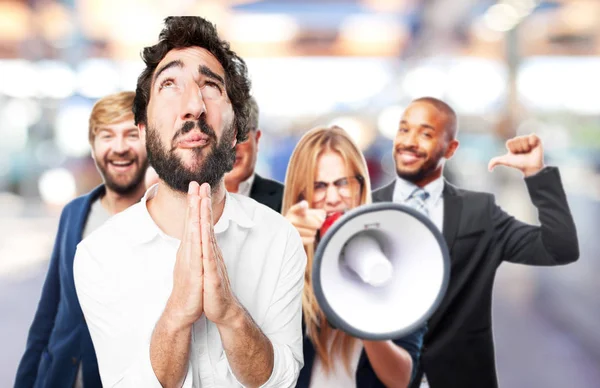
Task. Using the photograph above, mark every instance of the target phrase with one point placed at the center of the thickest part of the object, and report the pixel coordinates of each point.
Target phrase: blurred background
(508, 67)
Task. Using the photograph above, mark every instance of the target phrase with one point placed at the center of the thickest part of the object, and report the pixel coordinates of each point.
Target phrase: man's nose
(193, 104)
(120, 145)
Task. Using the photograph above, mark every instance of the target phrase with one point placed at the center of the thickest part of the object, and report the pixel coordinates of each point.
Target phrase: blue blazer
(365, 375)
(59, 338)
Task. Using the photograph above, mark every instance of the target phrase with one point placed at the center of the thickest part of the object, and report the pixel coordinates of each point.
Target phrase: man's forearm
(391, 363)
(170, 350)
(248, 350)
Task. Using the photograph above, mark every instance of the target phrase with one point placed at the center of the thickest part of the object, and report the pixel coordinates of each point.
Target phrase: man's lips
(121, 165)
(193, 140)
(409, 157)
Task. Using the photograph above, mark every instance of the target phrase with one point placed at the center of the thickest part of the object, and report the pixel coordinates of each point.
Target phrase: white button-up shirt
(434, 204)
(124, 277)
(245, 187)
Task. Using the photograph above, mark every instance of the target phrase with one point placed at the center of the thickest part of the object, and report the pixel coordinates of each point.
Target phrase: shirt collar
(144, 229)
(233, 211)
(245, 187)
(403, 189)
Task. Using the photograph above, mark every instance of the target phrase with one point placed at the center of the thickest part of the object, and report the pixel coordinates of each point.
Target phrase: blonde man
(59, 351)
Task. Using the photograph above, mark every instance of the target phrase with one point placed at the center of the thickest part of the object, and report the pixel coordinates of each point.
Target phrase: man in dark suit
(59, 350)
(458, 348)
(242, 179)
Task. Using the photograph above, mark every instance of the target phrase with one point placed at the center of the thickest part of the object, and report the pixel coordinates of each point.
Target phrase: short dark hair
(452, 125)
(253, 114)
(193, 31)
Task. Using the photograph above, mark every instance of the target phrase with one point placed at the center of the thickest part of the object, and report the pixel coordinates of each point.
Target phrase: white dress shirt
(124, 276)
(245, 187)
(434, 204)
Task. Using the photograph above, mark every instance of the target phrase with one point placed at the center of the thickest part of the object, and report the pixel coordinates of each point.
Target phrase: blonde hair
(299, 185)
(111, 109)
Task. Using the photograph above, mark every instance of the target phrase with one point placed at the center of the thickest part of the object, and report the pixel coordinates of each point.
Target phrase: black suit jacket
(365, 375)
(267, 192)
(458, 348)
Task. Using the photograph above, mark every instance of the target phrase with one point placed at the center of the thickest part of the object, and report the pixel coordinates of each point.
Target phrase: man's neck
(234, 186)
(168, 208)
(115, 203)
(430, 178)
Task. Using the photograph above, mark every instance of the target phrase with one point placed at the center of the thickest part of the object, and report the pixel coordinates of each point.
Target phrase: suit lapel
(259, 192)
(452, 210)
(73, 232)
(385, 194)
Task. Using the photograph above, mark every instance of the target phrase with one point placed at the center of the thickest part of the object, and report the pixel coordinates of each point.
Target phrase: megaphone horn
(380, 271)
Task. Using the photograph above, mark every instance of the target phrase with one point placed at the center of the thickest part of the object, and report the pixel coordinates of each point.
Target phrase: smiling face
(422, 144)
(120, 156)
(190, 133)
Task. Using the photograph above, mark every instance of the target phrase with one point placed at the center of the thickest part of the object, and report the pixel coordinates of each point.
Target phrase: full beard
(210, 168)
(127, 187)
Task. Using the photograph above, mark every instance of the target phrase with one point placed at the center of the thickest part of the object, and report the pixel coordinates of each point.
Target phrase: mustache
(129, 155)
(414, 150)
(201, 124)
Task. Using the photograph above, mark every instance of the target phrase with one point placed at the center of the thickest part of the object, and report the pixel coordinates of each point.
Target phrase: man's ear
(92, 154)
(452, 146)
(257, 135)
(234, 142)
(142, 129)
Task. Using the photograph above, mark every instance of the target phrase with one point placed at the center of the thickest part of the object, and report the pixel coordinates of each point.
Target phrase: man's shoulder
(83, 200)
(116, 229)
(386, 192)
(383, 193)
(268, 184)
(256, 210)
(271, 182)
(262, 215)
(476, 195)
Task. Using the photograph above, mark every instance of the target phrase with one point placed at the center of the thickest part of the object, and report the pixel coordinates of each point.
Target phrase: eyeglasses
(346, 187)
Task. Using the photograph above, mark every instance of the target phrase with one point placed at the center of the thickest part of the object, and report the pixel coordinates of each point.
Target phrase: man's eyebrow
(422, 125)
(211, 74)
(427, 126)
(175, 63)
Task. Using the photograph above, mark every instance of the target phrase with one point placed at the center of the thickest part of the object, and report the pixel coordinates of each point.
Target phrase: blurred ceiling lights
(358, 130)
(57, 186)
(506, 14)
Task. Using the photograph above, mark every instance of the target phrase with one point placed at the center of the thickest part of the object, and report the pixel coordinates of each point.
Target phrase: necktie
(417, 199)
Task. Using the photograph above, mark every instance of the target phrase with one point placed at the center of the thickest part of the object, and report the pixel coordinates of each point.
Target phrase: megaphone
(380, 271)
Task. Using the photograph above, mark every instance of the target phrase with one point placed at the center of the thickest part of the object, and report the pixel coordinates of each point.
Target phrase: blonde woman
(327, 174)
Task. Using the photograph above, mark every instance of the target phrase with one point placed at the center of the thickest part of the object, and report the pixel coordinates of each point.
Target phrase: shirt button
(74, 360)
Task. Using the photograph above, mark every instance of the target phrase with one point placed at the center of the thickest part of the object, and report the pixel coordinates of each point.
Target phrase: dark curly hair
(193, 31)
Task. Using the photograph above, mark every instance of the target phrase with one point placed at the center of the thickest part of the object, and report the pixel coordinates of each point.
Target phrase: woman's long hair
(299, 185)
